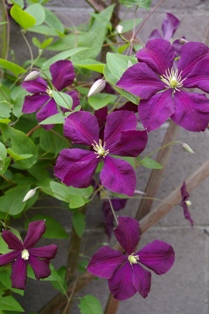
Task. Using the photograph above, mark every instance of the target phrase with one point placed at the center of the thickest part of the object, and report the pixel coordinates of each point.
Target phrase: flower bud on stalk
(32, 76)
(97, 87)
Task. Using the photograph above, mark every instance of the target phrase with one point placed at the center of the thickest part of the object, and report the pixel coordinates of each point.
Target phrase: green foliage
(141, 3)
(90, 305)
(24, 19)
(150, 163)
(8, 303)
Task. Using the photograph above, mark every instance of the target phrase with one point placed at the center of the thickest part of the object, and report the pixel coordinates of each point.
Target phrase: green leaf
(150, 163)
(3, 246)
(20, 3)
(62, 99)
(90, 64)
(24, 19)
(78, 221)
(51, 142)
(11, 203)
(53, 22)
(58, 118)
(4, 165)
(3, 151)
(12, 67)
(5, 109)
(90, 305)
(141, 3)
(128, 25)
(43, 29)
(37, 11)
(118, 64)
(6, 281)
(60, 284)
(101, 100)
(10, 304)
(46, 43)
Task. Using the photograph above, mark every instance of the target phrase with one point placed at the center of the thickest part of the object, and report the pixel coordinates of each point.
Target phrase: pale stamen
(99, 149)
(49, 91)
(173, 79)
(25, 255)
(133, 259)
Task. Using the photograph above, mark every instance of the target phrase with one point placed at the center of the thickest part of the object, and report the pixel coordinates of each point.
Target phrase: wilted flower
(77, 166)
(185, 202)
(24, 253)
(124, 272)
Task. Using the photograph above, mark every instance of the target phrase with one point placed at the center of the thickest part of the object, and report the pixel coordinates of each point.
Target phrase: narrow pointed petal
(116, 123)
(19, 274)
(76, 167)
(158, 256)
(34, 102)
(40, 267)
(191, 111)
(158, 54)
(47, 252)
(118, 176)
(131, 143)
(9, 257)
(155, 34)
(141, 279)
(35, 86)
(35, 231)
(46, 111)
(156, 110)
(82, 128)
(185, 194)
(169, 26)
(120, 284)
(141, 80)
(127, 233)
(187, 214)
(12, 240)
(104, 262)
(62, 74)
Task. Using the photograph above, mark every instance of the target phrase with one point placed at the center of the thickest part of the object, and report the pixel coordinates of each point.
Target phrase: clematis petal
(104, 262)
(156, 110)
(185, 198)
(12, 240)
(76, 167)
(191, 53)
(75, 97)
(9, 257)
(120, 284)
(62, 74)
(192, 111)
(47, 252)
(169, 26)
(158, 54)
(118, 176)
(131, 143)
(35, 86)
(141, 80)
(19, 273)
(127, 233)
(155, 34)
(40, 267)
(185, 194)
(46, 111)
(158, 256)
(35, 231)
(34, 102)
(82, 128)
(141, 279)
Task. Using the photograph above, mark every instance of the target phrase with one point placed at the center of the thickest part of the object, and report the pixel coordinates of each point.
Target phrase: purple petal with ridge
(9, 257)
(169, 26)
(158, 54)
(141, 279)
(127, 233)
(35, 86)
(158, 256)
(47, 252)
(12, 240)
(62, 74)
(117, 122)
(75, 97)
(46, 111)
(192, 111)
(118, 176)
(120, 284)
(156, 110)
(104, 262)
(155, 34)
(40, 267)
(82, 128)
(76, 167)
(131, 143)
(19, 273)
(35, 231)
(34, 102)
(141, 80)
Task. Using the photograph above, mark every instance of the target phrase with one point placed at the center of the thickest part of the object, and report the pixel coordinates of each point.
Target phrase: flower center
(99, 149)
(172, 79)
(133, 259)
(25, 255)
(49, 91)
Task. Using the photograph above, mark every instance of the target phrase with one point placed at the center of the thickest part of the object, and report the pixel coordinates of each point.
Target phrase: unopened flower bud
(187, 148)
(119, 28)
(97, 87)
(30, 194)
(32, 76)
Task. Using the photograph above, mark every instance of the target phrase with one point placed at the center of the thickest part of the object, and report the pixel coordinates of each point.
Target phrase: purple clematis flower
(124, 272)
(161, 83)
(185, 202)
(169, 26)
(24, 253)
(76, 166)
(41, 101)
